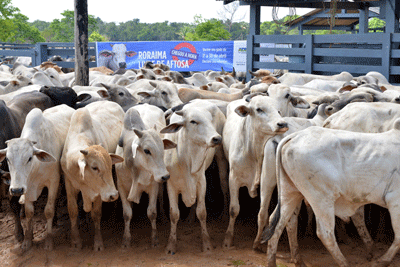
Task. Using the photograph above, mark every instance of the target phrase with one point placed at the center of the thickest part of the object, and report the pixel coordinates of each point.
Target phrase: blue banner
(178, 55)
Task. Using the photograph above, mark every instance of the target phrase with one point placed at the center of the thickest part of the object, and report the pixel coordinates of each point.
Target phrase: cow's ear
(105, 86)
(116, 159)
(6, 177)
(168, 79)
(173, 127)
(204, 87)
(82, 165)
(383, 88)
(134, 149)
(103, 93)
(243, 111)
(14, 82)
(139, 133)
(3, 153)
(219, 79)
(139, 77)
(299, 102)
(153, 84)
(168, 144)
(146, 94)
(83, 97)
(43, 155)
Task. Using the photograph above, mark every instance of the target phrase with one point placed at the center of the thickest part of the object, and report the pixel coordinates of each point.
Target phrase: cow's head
(22, 158)
(95, 167)
(264, 113)
(148, 154)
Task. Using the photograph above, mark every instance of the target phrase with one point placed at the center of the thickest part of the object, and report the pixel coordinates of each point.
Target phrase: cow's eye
(95, 168)
(164, 93)
(194, 122)
(121, 94)
(259, 110)
(287, 95)
(147, 151)
(30, 158)
(280, 113)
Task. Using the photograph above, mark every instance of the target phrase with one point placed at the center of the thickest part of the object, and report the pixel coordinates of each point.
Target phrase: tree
(208, 30)
(63, 30)
(97, 37)
(23, 31)
(229, 14)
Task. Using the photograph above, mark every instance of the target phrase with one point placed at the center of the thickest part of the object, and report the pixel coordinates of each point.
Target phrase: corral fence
(330, 54)
(42, 52)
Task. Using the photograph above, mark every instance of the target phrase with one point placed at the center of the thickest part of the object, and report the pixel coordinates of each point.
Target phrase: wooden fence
(41, 52)
(330, 54)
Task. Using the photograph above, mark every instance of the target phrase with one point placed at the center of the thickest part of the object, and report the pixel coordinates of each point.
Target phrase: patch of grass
(238, 263)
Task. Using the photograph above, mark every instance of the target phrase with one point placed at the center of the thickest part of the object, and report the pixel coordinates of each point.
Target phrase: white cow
(87, 162)
(247, 129)
(303, 78)
(196, 129)
(143, 169)
(268, 169)
(34, 162)
(336, 172)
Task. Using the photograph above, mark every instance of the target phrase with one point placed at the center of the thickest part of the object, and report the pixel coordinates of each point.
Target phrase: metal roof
(346, 4)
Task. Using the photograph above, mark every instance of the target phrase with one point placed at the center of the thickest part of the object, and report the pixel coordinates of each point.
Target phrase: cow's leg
(223, 167)
(291, 228)
(29, 212)
(325, 218)
(16, 210)
(127, 213)
(174, 217)
(49, 212)
(202, 214)
(152, 215)
(72, 198)
(289, 202)
(359, 222)
(234, 209)
(394, 210)
(96, 216)
(267, 186)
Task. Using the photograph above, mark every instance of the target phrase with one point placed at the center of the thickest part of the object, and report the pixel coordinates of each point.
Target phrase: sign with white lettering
(179, 56)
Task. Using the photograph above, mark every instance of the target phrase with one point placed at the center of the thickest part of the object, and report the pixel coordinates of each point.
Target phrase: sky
(147, 11)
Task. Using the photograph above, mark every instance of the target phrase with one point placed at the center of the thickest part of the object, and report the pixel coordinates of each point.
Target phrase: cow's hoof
(171, 249)
(48, 244)
(228, 242)
(126, 243)
(98, 247)
(380, 263)
(155, 244)
(26, 245)
(77, 245)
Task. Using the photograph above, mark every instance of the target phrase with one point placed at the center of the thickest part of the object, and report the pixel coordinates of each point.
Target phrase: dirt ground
(189, 237)
(189, 243)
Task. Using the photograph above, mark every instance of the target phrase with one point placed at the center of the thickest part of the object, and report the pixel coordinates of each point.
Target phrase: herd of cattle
(330, 140)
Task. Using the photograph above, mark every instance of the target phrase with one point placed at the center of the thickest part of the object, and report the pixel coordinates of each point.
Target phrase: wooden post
(364, 16)
(254, 30)
(81, 43)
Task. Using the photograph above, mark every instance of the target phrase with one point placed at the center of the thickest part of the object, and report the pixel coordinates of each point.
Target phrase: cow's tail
(269, 231)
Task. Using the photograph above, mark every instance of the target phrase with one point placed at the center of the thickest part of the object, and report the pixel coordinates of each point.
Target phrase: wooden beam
(81, 43)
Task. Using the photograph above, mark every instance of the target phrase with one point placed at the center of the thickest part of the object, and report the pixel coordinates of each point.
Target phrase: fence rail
(331, 54)
(42, 52)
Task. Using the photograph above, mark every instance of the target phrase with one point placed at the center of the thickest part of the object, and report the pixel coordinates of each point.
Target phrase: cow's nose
(16, 191)
(216, 140)
(282, 125)
(113, 197)
(122, 65)
(165, 178)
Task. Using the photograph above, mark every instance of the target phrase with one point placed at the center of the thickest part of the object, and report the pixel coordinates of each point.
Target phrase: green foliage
(15, 27)
(208, 30)
(23, 31)
(374, 23)
(63, 30)
(97, 37)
